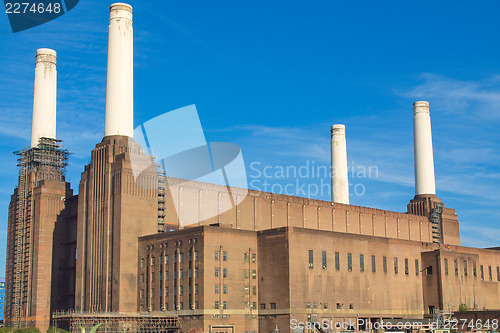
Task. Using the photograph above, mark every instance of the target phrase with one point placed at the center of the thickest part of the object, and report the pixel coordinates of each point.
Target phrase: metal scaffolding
(47, 161)
(112, 322)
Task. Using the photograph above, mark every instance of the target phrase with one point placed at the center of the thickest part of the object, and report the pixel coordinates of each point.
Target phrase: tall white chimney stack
(424, 160)
(340, 183)
(120, 78)
(44, 97)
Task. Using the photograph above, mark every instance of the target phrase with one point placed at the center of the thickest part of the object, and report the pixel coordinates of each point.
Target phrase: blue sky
(273, 76)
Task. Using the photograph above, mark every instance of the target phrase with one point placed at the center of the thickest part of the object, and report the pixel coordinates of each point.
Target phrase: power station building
(117, 253)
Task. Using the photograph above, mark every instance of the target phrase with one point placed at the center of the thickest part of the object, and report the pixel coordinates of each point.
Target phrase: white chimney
(44, 96)
(120, 78)
(340, 183)
(424, 159)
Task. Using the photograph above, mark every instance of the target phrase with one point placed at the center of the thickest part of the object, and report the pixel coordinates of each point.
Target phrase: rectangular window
(182, 257)
(181, 290)
(498, 273)
(465, 268)
(374, 265)
(246, 257)
(166, 275)
(428, 270)
(349, 262)
(166, 259)
(272, 305)
(225, 289)
(474, 268)
(217, 305)
(254, 274)
(482, 272)
(224, 272)
(247, 273)
(224, 305)
(455, 262)
(395, 265)
(142, 262)
(166, 291)
(446, 266)
(254, 290)
(323, 259)
(491, 275)
(339, 306)
(217, 289)
(195, 255)
(311, 259)
(337, 261)
(262, 306)
(152, 261)
(407, 267)
(384, 264)
(217, 255)
(361, 263)
(181, 273)
(417, 267)
(190, 274)
(254, 257)
(224, 256)
(247, 290)
(190, 256)
(196, 289)
(217, 272)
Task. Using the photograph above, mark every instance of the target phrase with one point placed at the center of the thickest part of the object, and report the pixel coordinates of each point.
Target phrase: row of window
(362, 263)
(325, 305)
(396, 266)
(167, 258)
(474, 269)
(167, 275)
(177, 243)
(167, 308)
(181, 291)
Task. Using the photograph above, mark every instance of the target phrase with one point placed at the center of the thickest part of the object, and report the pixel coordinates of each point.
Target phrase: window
(339, 306)
(315, 305)
(152, 277)
(196, 289)
(247, 290)
(142, 262)
(224, 272)
(182, 274)
(428, 270)
(351, 306)
(325, 305)
(308, 305)
(254, 290)
(190, 273)
(254, 274)
(195, 255)
(474, 270)
(254, 257)
(384, 264)
(224, 256)
(217, 255)
(166, 291)
(417, 267)
(196, 272)
(152, 261)
(224, 305)
(142, 277)
(225, 289)
(254, 305)
(374, 265)
(498, 273)
(395, 265)
(446, 266)
(361, 263)
(190, 290)
(181, 290)
(161, 260)
(455, 262)
(166, 259)
(262, 306)
(482, 272)
(465, 268)
(349, 262)
(166, 275)
(217, 305)
(182, 257)
(337, 261)
(246, 256)
(407, 267)
(311, 259)
(217, 272)
(491, 275)
(190, 255)
(217, 289)
(247, 273)
(323, 259)
(141, 293)
(272, 305)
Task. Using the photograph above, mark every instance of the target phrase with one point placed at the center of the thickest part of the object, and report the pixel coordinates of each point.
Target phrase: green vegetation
(461, 307)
